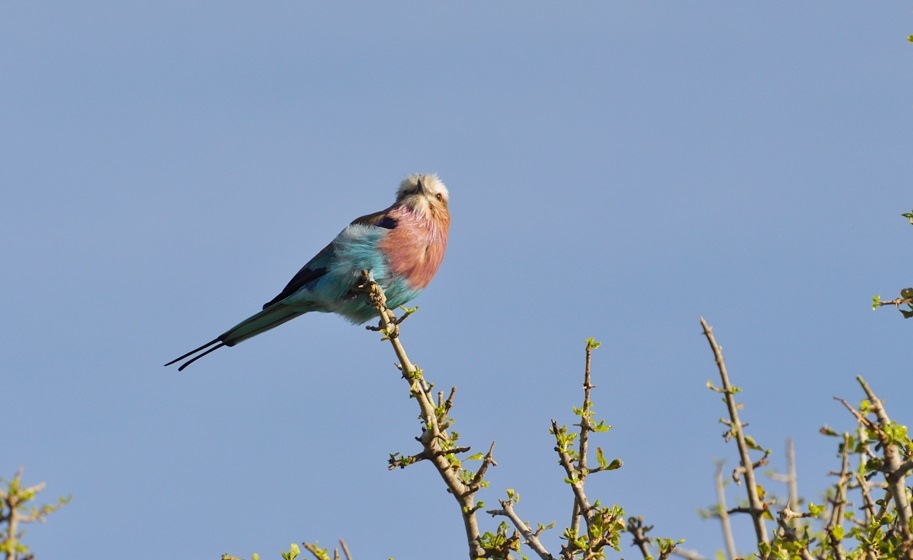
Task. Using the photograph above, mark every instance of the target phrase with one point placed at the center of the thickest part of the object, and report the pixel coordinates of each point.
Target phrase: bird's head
(425, 194)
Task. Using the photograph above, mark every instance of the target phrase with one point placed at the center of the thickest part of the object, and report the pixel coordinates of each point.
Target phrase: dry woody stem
(434, 433)
(756, 506)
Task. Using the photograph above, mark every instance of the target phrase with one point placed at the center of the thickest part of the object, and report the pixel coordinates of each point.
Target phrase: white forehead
(431, 183)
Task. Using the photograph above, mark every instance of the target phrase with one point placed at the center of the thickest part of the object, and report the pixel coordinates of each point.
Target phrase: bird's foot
(388, 324)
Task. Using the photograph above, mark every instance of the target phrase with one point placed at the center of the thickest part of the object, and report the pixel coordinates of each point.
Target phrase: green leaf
(896, 433)
(292, 553)
(752, 444)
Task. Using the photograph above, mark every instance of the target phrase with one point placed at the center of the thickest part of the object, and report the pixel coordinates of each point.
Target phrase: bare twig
(793, 479)
(688, 554)
(723, 514)
(585, 428)
(756, 505)
(487, 461)
(531, 538)
(896, 302)
(639, 532)
(868, 505)
(865, 422)
(838, 502)
(345, 549)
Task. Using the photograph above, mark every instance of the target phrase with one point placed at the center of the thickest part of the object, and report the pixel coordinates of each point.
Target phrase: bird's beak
(421, 186)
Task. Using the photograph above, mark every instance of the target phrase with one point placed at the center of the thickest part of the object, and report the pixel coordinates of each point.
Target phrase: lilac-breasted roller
(402, 247)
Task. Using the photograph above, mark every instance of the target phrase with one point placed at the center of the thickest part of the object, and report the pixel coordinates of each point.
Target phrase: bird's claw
(388, 324)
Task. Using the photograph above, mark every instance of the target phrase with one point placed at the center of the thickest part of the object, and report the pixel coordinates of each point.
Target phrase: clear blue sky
(617, 170)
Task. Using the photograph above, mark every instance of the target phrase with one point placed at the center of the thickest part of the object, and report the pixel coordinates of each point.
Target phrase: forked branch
(756, 506)
(437, 444)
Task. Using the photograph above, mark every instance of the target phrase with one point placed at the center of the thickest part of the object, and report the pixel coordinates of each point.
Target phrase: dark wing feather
(383, 219)
(315, 268)
(308, 273)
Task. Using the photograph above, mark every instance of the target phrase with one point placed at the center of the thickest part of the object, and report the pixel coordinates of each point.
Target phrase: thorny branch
(723, 514)
(14, 511)
(756, 505)
(577, 485)
(585, 429)
(896, 302)
(531, 537)
(638, 531)
(892, 465)
(838, 501)
(894, 470)
(435, 441)
(604, 525)
(784, 518)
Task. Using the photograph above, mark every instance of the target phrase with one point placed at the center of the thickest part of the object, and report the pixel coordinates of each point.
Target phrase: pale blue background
(617, 170)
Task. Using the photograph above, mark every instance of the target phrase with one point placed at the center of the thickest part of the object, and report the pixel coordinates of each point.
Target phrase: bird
(401, 247)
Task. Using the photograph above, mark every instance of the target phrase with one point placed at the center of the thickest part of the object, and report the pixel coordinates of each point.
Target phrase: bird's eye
(439, 196)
